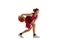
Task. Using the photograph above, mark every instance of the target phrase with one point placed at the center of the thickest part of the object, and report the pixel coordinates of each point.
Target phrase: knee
(33, 24)
(29, 29)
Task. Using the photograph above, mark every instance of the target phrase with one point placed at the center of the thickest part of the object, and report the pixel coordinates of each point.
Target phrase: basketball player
(30, 22)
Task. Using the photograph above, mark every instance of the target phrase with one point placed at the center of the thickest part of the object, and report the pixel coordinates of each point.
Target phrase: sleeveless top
(29, 19)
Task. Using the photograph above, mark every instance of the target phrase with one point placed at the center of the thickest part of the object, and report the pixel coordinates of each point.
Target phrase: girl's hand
(22, 15)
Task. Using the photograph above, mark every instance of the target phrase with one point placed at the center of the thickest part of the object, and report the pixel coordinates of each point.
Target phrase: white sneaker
(21, 36)
(36, 36)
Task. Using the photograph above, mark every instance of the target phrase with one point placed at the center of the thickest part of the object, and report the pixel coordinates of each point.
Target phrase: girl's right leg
(25, 31)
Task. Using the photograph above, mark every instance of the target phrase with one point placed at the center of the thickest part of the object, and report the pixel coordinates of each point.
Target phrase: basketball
(21, 19)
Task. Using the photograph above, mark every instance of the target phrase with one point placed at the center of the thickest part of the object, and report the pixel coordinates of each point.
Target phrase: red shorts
(28, 25)
(28, 21)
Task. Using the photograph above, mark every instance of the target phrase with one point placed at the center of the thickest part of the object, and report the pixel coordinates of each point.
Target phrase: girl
(30, 21)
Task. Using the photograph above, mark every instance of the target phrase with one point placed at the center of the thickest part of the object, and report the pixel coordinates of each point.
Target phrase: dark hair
(35, 9)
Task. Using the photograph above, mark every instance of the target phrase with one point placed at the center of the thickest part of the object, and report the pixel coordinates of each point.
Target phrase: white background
(47, 25)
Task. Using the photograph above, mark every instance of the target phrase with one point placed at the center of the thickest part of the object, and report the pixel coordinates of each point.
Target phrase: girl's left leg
(33, 25)
(34, 34)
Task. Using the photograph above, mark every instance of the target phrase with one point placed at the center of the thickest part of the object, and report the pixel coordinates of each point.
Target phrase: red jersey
(29, 19)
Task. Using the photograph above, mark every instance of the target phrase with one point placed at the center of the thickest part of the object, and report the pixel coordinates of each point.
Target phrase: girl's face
(37, 12)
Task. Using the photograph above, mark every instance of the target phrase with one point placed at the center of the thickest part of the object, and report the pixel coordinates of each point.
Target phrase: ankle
(34, 34)
(20, 33)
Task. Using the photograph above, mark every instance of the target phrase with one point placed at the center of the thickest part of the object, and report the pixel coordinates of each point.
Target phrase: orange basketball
(21, 19)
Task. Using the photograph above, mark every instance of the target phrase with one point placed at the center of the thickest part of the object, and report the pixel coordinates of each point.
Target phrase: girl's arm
(26, 14)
